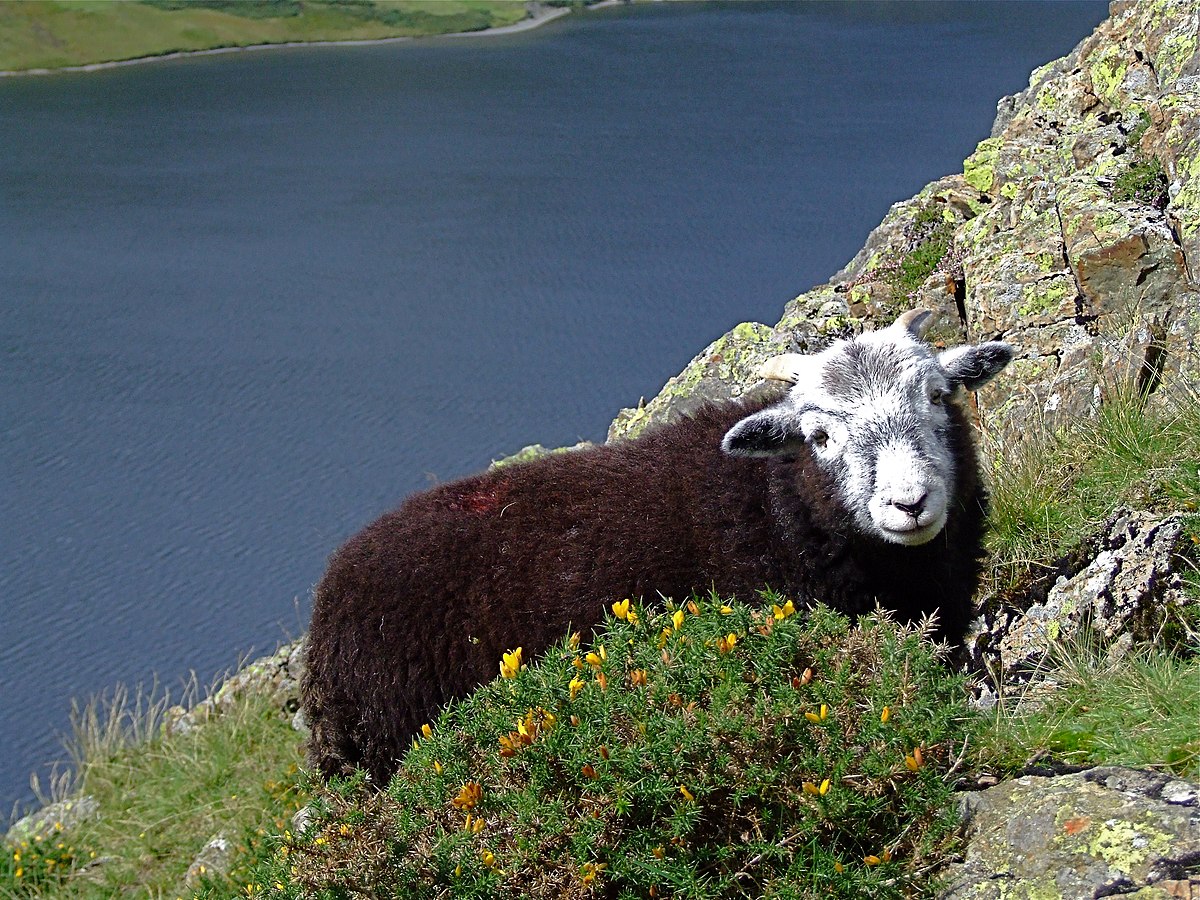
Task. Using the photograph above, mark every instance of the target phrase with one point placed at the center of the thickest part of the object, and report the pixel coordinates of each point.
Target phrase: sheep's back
(418, 607)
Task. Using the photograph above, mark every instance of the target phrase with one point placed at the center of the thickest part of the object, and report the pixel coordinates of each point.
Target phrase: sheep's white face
(872, 414)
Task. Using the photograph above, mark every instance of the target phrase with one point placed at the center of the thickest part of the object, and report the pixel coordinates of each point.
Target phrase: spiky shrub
(707, 750)
(39, 864)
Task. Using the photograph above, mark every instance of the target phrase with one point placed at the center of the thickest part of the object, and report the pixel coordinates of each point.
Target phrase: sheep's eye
(936, 396)
(819, 437)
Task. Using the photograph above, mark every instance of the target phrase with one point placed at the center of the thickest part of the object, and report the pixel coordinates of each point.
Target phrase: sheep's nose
(913, 509)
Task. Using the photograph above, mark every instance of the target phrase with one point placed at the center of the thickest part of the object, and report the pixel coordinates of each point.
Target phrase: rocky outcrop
(1102, 833)
(1120, 588)
(54, 819)
(211, 863)
(1073, 232)
(276, 675)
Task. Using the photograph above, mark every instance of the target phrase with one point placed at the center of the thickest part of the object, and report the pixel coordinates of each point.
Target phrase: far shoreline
(537, 19)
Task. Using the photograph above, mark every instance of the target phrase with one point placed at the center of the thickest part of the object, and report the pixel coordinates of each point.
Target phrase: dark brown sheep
(858, 486)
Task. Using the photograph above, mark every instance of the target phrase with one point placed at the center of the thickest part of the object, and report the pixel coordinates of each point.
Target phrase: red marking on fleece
(481, 498)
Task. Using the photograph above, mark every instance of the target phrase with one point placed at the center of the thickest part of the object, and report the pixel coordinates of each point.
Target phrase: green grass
(161, 799)
(1051, 490)
(706, 751)
(1138, 710)
(929, 238)
(1144, 182)
(56, 33)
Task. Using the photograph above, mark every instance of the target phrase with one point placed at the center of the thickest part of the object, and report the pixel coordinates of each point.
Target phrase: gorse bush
(707, 750)
(40, 863)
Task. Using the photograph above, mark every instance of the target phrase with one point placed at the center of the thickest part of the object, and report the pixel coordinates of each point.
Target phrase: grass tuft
(1051, 490)
(161, 798)
(1139, 709)
(1143, 182)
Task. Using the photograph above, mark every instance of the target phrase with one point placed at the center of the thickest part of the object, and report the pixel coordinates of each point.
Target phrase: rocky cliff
(1072, 232)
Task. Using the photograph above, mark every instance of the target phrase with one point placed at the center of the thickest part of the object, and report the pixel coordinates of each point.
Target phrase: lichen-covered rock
(1062, 263)
(211, 863)
(725, 369)
(1120, 588)
(276, 675)
(907, 261)
(56, 819)
(1098, 833)
(531, 452)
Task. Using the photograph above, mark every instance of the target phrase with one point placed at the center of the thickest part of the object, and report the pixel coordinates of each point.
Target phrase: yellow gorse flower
(726, 643)
(818, 717)
(782, 612)
(810, 787)
(677, 619)
(687, 795)
(576, 686)
(470, 794)
(426, 730)
(623, 609)
(510, 665)
(886, 714)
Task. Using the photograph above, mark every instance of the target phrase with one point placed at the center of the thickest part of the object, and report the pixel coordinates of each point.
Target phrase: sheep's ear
(915, 322)
(771, 432)
(789, 367)
(974, 366)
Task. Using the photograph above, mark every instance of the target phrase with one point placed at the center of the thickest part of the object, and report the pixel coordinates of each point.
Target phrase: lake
(250, 301)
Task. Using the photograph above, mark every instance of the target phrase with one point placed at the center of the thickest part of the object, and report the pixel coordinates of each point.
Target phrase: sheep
(857, 486)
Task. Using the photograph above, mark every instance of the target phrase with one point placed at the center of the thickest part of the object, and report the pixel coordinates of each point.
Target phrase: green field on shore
(50, 34)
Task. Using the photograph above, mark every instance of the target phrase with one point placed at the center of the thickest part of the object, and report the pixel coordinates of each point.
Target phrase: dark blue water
(248, 302)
